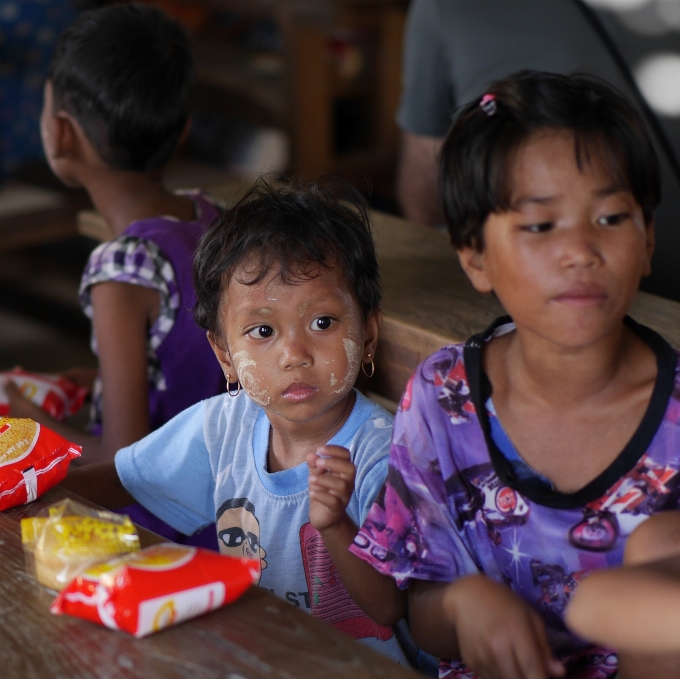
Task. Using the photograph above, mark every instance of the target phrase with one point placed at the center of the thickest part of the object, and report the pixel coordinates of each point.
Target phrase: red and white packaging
(158, 587)
(33, 458)
(56, 395)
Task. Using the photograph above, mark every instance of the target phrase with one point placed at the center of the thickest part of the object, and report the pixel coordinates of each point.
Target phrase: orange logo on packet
(163, 557)
(18, 438)
(165, 617)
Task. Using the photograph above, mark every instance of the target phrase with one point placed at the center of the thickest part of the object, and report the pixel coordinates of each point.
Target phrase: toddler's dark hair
(125, 72)
(295, 229)
(478, 151)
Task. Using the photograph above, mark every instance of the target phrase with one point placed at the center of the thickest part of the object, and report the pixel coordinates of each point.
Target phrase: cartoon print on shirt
(330, 601)
(556, 587)
(446, 371)
(238, 530)
(644, 490)
(479, 494)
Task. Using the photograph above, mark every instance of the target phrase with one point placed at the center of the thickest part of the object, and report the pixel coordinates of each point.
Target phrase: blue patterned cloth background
(28, 33)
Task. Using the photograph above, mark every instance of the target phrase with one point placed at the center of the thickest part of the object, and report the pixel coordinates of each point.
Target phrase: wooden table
(257, 637)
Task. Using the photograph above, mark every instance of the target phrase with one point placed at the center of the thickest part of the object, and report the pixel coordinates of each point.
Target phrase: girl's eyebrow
(263, 311)
(546, 200)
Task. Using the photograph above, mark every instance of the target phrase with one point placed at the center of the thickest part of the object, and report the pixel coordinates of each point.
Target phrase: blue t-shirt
(209, 464)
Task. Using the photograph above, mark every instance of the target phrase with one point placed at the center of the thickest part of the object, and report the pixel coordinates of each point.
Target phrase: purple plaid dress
(181, 367)
(453, 504)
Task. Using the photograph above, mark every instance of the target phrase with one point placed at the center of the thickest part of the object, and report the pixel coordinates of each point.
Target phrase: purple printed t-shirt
(453, 505)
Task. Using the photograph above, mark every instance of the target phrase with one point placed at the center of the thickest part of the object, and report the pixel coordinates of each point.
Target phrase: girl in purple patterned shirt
(523, 459)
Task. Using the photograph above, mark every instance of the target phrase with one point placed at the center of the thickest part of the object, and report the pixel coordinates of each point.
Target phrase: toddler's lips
(299, 391)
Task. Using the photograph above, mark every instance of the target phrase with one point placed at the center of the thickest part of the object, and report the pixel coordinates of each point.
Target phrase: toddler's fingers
(339, 467)
(331, 484)
(333, 452)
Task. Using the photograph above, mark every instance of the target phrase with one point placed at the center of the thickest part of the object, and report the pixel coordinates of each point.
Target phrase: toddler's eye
(261, 332)
(538, 228)
(613, 220)
(322, 323)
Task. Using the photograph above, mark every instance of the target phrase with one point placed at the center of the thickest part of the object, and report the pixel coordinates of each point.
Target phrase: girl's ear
(222, 357)
(371, 332)
(473, 262)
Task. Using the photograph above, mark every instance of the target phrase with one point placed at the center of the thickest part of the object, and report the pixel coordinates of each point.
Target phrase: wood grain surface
(257, 637)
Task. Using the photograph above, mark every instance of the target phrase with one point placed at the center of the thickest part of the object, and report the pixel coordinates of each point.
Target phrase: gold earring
(363, 366)
(229, 391)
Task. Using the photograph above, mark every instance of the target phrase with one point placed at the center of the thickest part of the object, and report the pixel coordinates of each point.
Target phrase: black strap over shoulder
(534, 488)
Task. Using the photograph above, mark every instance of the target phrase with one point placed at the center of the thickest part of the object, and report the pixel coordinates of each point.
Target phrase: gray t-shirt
(455, 48)
(209, 464)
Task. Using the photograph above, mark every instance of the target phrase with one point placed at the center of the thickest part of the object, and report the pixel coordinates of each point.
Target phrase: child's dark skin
(122, 312)
(565, 261)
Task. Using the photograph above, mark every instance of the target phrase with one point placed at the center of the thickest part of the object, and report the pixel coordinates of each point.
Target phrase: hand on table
(20, 406)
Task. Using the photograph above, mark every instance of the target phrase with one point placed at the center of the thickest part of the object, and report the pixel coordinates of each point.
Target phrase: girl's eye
(538, 228)
(261, 332)
(322, 323)
(613, 220)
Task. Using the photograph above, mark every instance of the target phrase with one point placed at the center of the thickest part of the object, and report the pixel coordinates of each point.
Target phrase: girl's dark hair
(477, 153)
(293, 229)
(125, 73)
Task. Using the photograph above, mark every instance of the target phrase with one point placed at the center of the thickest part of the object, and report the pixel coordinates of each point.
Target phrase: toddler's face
(295, 347)
(567, 259)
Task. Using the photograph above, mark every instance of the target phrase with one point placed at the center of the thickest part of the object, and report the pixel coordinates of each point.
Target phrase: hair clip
(488, 104)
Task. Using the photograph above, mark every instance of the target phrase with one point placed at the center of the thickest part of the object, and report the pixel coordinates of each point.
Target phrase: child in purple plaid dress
(116, 105)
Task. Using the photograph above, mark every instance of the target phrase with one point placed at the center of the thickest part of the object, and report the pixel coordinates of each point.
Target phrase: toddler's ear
(473, 262)
(371, 332)
(222, 355)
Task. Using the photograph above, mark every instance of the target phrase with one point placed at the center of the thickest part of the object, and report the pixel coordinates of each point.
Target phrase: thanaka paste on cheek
(251, 385)
(353, 353)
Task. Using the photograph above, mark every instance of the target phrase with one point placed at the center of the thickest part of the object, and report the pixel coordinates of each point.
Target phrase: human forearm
(376, 594)
(634, 608)
(483, 623)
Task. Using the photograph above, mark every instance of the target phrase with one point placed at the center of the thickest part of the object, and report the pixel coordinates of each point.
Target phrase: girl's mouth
(299, 391)
(582, 296)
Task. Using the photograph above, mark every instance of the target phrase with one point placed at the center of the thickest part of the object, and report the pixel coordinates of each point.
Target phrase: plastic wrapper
(156, 588)
(67, 537)
(56, 395)
(33, 458)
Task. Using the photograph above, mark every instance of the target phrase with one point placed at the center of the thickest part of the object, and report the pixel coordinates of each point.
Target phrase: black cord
(652, 119)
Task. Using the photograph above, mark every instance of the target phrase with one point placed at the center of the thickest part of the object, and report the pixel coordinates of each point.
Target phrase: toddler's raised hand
(331, 483)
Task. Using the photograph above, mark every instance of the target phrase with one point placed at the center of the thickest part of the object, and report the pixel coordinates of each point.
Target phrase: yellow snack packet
(67, 537)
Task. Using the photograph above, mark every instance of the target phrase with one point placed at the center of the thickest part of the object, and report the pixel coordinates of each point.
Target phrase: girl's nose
(580, 247)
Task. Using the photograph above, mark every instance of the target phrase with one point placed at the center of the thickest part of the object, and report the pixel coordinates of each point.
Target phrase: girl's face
(295, 347)
(567, 259)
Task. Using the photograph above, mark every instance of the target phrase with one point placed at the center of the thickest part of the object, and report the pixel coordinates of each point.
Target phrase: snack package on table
(157, 587)
(67, 537)
(33, 458)
(56, 395)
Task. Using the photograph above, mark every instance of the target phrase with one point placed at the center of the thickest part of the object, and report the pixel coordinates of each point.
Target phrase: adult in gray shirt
(455, 48)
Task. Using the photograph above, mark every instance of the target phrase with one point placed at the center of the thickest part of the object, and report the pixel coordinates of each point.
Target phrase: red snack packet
(56, 395)
(160, 586)
(33, 458)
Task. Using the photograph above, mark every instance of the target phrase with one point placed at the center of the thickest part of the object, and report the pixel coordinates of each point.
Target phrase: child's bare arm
(635, 608)
(98, 483)
(331, 482)
(490, 628)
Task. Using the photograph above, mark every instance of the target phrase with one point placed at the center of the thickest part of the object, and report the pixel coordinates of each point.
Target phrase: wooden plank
(258, 637)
